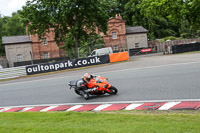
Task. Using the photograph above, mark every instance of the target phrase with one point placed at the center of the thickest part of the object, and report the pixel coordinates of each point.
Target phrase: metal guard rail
(13, 72)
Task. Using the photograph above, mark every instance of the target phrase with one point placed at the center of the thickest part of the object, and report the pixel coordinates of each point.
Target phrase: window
(137, 45)
(46, 55)
(114, 35)
(19, 57)
(44, 41)
(115, 48)
(93, 53)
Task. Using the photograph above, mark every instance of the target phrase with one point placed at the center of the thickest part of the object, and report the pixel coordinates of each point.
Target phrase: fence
(163, 46)
(3, 62)
(13, 72)
(185, 48)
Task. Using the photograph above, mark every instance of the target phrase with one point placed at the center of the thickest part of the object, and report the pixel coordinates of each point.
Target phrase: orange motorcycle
(97, 86)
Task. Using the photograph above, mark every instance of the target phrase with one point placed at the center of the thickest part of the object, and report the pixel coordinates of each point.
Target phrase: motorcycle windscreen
(98, 80)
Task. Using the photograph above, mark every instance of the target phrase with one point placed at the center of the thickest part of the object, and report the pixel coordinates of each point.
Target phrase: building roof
(15, 39)
(134, 30)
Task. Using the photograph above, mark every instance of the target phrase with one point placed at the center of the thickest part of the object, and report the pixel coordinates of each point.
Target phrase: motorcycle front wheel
(113, 90)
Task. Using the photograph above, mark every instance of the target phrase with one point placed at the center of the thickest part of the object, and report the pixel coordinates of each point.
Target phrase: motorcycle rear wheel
(86, 96)
(113, 90)
(77, 92)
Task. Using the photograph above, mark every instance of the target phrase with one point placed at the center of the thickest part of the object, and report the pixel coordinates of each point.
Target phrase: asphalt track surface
(160, 77)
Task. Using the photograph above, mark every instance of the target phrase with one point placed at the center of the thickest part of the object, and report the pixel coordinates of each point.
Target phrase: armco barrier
(116, 57)
(185, 48)
(13, 72)
(75, 63)
(67, 64)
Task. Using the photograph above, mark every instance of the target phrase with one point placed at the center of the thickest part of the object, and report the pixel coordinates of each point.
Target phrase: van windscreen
(93, 53)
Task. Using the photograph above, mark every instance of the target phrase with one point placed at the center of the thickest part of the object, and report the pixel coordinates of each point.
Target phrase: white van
(102, 51)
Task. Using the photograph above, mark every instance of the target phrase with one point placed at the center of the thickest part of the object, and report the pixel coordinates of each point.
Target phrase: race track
(143, 78)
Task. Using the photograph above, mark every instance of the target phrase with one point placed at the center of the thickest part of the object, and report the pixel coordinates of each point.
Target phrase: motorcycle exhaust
(90, 90)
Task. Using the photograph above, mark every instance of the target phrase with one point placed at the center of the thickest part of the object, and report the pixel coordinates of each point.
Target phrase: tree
(10, 26)
(111, 7)
(77, 17)
(2, 51)
(13, 26)
(93, 42)
(175, 10)
(136, 13)
(162, 17)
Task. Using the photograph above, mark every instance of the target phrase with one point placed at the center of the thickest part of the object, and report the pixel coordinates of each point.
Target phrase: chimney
(118, 16)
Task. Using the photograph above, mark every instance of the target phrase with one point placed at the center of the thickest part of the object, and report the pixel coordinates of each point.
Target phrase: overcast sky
(7, 7)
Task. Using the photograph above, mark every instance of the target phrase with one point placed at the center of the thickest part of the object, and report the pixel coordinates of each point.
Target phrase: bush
(168, 38)
(185, 35)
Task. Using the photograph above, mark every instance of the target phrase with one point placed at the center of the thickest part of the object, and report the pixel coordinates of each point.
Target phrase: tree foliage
(75, 21)
(183, 13)
(162, 17)
(10, 26)
(2, 51)
(77, 17)
(93, 42)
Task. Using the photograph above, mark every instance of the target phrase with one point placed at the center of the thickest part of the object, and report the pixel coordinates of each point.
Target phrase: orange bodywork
(102, 86)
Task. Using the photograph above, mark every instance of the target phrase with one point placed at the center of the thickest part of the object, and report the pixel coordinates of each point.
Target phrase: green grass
(104, 122)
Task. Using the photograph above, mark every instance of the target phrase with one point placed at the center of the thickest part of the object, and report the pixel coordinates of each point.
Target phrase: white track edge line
(113, 102)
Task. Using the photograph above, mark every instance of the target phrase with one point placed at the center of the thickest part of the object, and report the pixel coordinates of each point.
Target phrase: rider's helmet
(86, 77)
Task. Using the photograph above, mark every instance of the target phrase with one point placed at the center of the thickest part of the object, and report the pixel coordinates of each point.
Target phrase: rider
(86, 78)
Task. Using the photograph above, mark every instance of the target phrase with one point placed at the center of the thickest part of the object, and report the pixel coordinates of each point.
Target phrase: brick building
(45, 47)
(116, 34)
(120, 37)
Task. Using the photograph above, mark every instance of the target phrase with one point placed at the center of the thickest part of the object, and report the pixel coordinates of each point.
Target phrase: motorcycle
(99, 85)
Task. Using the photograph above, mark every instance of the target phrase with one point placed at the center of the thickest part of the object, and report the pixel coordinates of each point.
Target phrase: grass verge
(103, 122)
